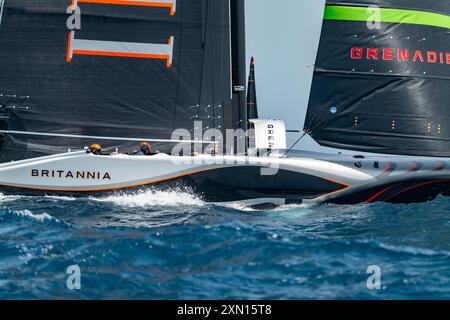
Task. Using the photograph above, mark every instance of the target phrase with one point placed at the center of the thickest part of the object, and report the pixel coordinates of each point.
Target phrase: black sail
(252, 104)
(382, 77)
(134, 69)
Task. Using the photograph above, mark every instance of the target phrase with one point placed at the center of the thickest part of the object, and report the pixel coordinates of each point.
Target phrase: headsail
(382, 77)
(136, 68)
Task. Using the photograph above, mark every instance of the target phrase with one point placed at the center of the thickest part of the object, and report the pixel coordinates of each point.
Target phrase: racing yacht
(173, 73)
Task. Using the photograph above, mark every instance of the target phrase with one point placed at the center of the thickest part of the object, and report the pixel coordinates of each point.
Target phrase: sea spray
(153, 198)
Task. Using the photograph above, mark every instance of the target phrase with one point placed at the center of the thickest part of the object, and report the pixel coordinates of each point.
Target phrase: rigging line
(300, 139)
(75, 136)
(230, 39)
(2, 2)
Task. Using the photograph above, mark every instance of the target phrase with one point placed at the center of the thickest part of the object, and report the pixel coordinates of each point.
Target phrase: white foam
(152, 198)
(10, 198)
(61, 198)
(411, 250)
(293, 207)
(38, 217)
(236, 206)
(246, 207)
(4, 198)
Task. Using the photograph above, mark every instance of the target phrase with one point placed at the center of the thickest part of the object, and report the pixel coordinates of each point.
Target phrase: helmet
(96, 146)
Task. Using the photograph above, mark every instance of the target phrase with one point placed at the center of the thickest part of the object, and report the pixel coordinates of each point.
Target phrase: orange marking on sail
(69, 47)
(133, 3)
(125, 54)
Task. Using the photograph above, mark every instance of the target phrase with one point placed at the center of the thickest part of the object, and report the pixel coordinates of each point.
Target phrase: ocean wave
(61, 198)
(41, 217)
(282, 209)
(415, 251)
(292, 252)
(236, 206)
(303, 208)
(8, 198)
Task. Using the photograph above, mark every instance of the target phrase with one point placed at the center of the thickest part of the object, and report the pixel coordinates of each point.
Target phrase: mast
(238, 61)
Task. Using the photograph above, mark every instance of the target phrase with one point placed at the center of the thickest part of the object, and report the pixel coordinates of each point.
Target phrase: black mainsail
(136, 68)
(382, 77)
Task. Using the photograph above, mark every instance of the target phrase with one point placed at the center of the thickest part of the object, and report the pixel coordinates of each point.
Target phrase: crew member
(96, 149)
(145, 149)
(212, 150)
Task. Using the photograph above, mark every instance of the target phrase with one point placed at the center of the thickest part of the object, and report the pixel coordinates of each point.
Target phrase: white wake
(153, 198)
(4, 198)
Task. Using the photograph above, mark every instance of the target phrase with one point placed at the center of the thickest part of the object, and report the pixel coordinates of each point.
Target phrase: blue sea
(172, 245)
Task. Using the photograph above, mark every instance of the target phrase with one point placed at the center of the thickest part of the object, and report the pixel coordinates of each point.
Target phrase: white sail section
(120, 49)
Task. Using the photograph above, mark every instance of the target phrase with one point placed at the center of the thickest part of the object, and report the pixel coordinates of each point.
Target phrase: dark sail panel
(134, 69)
(383, 86)
(252, 104)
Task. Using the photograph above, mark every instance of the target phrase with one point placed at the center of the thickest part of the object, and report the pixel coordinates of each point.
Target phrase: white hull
(321, 178)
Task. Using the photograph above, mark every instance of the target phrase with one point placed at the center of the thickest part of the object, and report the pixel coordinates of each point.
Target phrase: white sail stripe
(124, 47)
(75, 136)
